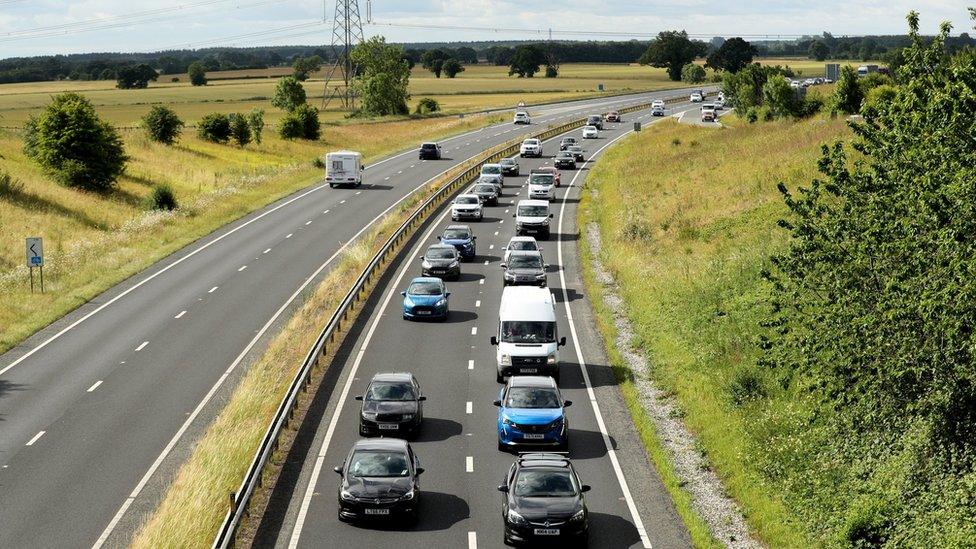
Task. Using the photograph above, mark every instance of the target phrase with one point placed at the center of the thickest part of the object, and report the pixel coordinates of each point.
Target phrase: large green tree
(818, 50)
(305, 66)
(732, 56)
(383, 77)
(452, 67)
(433, 60)
(848, 93)
(288, 94)
(197, 74)
(74, 146)
(135, 77)
(673, 50)
(526, 60)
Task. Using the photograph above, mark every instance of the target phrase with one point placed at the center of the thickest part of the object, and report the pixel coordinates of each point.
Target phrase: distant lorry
(344, 168)
(865, 70)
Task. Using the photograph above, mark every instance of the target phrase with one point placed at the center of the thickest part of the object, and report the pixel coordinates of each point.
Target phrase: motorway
(455, 365)
(98, 410)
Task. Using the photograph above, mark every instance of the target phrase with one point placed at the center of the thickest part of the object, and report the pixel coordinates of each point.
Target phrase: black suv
(380, 480)
(565, 159)
(392, 405)
(510, 166)
(430, 151)
(543, 501)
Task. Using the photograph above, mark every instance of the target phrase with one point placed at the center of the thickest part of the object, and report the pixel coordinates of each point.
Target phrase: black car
(380, 480)
(442, 261)
(525, 268)
(430, 151)
(595, 120)
(487, 193)
(392, 405)
(567, 142)
(543, 501)
(565, 159)
(510, 166)
(577, 152)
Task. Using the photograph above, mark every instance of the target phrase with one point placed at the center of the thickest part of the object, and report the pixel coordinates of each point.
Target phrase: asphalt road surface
(455, 365)
(98, 410)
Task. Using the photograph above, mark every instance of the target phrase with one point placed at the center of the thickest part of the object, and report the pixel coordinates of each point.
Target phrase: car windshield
(374, 463)
(467, 200)
(540, 179)
(491, 169)
(565, 154)
(508, 162)
(425, 288)
(525, 262)
(390, 390)
(440, 253)
(544, 484)
(569, 140)
(589, 129)
(456, 234)
(531, 142)
(484, 189)
(522, 245)
(528, 331)
(532, 397)
(429, 146)
(533, 211)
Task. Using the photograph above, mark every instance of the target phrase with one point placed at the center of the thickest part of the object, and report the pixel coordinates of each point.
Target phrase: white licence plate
(389, 426)
(546, 532)
(380, 512)
(423, 312)
(533, 436)
(528, 370)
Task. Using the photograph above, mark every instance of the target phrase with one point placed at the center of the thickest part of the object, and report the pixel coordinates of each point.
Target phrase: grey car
(510, 166)
(442, 261)
(487, 193)
(577, 152)
(525, 268)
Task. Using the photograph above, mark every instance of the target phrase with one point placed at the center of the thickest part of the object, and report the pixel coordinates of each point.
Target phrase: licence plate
(528, 370)
(533, 436)
(389, 426)
(546, 532)
(382, 512)
(423, 312)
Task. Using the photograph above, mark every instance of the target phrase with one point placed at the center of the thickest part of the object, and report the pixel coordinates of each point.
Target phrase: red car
(549, 170)
(613, 116)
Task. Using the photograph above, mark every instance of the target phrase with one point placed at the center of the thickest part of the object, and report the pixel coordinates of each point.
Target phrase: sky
(41, 27)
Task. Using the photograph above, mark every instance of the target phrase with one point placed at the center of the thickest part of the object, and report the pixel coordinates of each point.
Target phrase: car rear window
(371, 463)
(455, 234)
(429, 146)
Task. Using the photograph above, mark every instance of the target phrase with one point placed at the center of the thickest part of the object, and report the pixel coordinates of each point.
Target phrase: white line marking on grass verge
(142, 346)
(296, 532)
(94, 386)
(180, 315)
(34, 439)
(611, 453)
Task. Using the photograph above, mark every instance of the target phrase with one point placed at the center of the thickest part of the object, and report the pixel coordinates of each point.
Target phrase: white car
(522, 117)
(590, 132)
(520, 244)
(708, 113)
(467, 206)
(531, 147)
(696, 98)
(542, 186)
(657, 104)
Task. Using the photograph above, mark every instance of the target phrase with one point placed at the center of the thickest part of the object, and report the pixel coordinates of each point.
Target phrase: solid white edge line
(94, 386)
(213, 390)
(296, 532)
(611, 453)
(35, 438)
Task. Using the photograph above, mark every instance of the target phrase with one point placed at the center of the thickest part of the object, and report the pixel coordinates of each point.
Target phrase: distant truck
(865, 70)
(344, 168)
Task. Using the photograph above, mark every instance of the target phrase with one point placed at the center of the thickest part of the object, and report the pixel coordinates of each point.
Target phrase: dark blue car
(425, 297)
(462, 238)
(531, 412)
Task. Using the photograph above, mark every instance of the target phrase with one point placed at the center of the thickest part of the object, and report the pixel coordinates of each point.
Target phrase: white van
(344, 168)
(532, 218)
(527, 339)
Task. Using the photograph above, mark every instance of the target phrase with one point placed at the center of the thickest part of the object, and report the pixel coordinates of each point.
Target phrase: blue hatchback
(425, 297)
(462, 238)
(531, 412)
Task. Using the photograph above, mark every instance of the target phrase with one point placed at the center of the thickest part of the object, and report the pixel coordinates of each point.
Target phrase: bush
(752, 115)
(161, 198)
(197, 74)
(9, 186)
(303, 123)
(214, 127)
(692, 73)
(452, 67)
(428, 105)
(162, 125)
(255, 121)
(135, 77)
(848, 93)
(74, 146)
(288, 94)
(240, 132)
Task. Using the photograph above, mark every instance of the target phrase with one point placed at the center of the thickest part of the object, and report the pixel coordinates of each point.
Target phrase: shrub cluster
(302, 123)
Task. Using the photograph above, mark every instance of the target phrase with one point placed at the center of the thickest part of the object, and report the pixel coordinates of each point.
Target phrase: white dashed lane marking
(469, 464)
(34, 439)
(142, 346)
(242, 268)
(474, 330)
(94, 386)
(467, 407)
(180, 315)
(266, 251)
(214, 289)
(471, 365)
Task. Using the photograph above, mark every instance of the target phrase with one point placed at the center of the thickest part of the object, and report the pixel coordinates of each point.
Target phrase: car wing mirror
(404, 293)
(503, 488)
(474, 238)
(358, 397)
(567, 403)
(562, 341)
(447, 294)
(497, 403)
(338, 469)
(550, 216)
(420, 471)
(513, 215)
(438, 238)
(421, 398)
(545, 266)
(503, 265)
(585, 488)
(494, 340)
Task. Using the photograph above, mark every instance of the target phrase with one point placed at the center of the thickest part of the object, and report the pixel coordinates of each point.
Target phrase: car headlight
(507, 421)
(454, 263)
(345, 495)
(412, 493)
(425, 264)
(506, 360)
(516, 518)
(540, 276)
(407, 416)
(551, 359)
(441, 303)
(371, 416)
(509, 275)
(580, 515)
(545, 221)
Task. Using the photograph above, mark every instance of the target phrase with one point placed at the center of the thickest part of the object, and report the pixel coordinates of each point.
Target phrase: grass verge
(687, 217)
(196, 501)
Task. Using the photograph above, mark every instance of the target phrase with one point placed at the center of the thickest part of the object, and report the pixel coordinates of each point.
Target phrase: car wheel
(555, 376)
(332, 185)
(502, 447)
(405, 317)
(507, 541)
(499, 378)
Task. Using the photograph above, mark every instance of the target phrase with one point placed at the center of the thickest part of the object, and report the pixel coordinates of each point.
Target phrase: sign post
(35, 258)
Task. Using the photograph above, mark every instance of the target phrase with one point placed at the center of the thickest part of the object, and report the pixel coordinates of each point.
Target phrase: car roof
(563, 153)
(465, 227)
(381, 444)
(429, 143)
(527, 303)
(393, 376)
(483, 166)
(543, 169)
(426, 279)
(544, 459)
(531, 381)
(533, 253)
(508, 160)
(530, 139)
(467, 195)
(439, 245)
(522, 239)
(533, 203)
